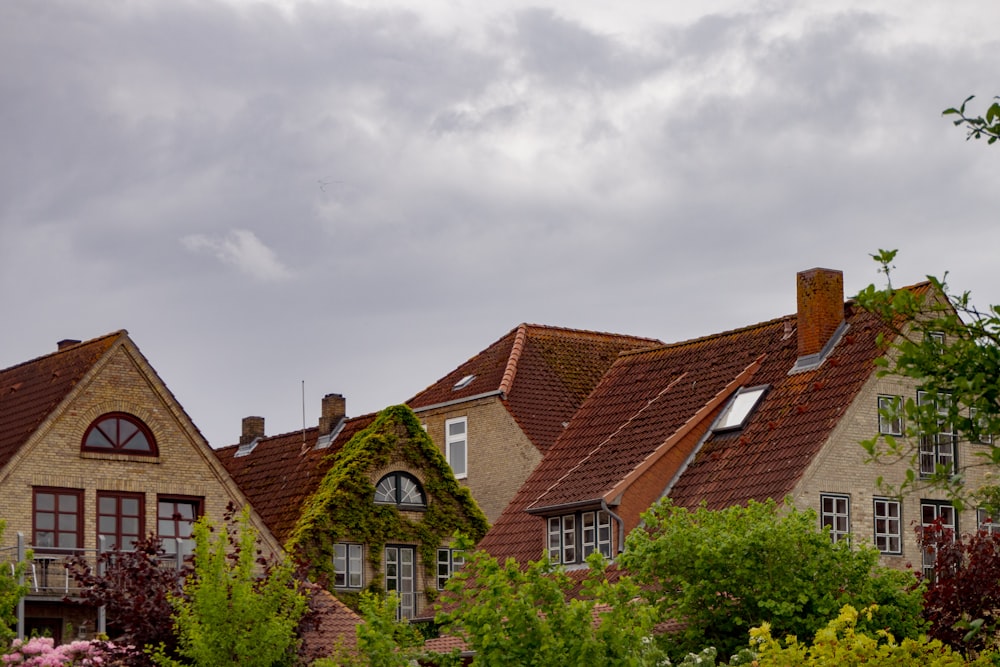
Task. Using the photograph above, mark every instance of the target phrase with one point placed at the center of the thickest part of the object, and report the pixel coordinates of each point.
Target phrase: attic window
(246, 448)
(400, 488)
(119, 433)
(740, 407)
(463, 383)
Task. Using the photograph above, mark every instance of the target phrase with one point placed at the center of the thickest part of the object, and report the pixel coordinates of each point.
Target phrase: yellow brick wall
(52, 458)
(840, 469)
(500, 456)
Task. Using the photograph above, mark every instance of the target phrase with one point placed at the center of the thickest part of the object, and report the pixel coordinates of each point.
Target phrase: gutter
(456, 401)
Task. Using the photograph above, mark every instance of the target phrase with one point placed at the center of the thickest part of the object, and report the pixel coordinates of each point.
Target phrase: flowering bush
(42, 652)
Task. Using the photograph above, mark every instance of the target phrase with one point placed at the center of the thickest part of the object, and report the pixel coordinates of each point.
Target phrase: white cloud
(241, 248)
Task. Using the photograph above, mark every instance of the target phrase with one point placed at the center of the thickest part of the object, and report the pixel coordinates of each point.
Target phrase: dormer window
(401, 489)
(119, 433)
(740, 407)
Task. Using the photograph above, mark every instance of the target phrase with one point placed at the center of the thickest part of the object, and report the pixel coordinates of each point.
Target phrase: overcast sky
(359, 196)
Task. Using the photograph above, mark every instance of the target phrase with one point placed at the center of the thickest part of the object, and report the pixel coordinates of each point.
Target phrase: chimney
(334, 409)
(253, 428)
(820, 309)
(66, 342)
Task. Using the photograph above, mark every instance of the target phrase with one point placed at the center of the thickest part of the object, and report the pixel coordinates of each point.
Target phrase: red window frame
(66, 518)
(121, 431)
(121, 517)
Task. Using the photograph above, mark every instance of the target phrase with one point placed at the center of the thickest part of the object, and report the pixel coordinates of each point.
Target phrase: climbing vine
(343, 509)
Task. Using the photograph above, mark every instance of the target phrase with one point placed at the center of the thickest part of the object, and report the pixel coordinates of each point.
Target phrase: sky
(280, 200)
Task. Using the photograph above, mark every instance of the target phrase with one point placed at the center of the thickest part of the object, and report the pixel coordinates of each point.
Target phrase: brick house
(369, 503)
(771, 410)
(496, 415)
(95, 449)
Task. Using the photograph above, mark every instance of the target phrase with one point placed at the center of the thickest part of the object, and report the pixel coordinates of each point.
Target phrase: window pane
(67, 503)
(45, 521)
(456, 428)
(45, 502)
(67, 522)
(67, 540)
(106, 525)
(106, 505)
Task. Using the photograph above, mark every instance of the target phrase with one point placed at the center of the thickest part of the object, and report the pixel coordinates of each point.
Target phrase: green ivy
(342, 508)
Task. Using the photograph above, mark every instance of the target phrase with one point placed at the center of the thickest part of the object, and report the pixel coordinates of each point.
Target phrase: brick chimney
(334, 409)
(66, 342)
(253, 428)
(820, 309)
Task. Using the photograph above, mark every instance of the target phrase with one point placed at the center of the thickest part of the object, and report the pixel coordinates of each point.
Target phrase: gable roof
(282, 471)
(32, 390)
(541, 373)
(650, 400)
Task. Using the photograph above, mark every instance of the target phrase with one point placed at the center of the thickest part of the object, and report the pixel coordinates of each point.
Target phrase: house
(96, 452)
(771, 410)
(368, 503)
(497, 414)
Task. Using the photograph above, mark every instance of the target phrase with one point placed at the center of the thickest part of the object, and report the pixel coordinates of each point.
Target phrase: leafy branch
(978, 127)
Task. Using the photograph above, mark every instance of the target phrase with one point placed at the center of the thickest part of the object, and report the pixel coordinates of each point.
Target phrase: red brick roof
(283, 470)
(648, 396)
(543, 373)
(30, 391)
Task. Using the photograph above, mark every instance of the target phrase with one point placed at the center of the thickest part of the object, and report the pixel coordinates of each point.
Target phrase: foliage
(962, 599)
(10, 593)
(841, 643)
(41, 652)
(542, 616)
(135, 587)
(237, 609)
(978, 127)
(382, 640)
(341, 508)
(951, 348)
(722, 572)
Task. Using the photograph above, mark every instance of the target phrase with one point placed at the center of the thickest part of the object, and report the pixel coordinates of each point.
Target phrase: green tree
(10, 593)
(236, 610)
(383, 641)
(722, 572)
(953, 350)
(978, 127)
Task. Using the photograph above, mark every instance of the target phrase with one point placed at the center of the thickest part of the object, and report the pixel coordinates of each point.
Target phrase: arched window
(400, 488)
(119, 433)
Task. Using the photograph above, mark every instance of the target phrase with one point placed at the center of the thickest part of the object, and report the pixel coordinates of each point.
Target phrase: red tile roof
(649, 396)
(30, 391)
(283, 470)
(334, 628)
(543, 373)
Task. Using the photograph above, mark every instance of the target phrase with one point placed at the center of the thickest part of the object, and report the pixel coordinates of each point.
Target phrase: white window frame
(449, 561)
(888, 524)
(456, 441)
(930, 511)
(570, 538)
(941, 448)
(980, 438)
(348, 562)
(890, 415)
(835, 512)
(987, 522)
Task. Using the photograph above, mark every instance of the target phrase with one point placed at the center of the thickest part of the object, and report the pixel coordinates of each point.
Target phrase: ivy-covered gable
(343, 507)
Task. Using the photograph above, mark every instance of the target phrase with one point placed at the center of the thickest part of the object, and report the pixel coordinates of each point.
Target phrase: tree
(236, 610)
(722, 572)
(953, 350)
(10, 593)
(978, 127)
(136, 588)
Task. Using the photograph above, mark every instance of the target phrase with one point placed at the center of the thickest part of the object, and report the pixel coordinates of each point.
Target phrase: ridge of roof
(515, 354)
(71, 348)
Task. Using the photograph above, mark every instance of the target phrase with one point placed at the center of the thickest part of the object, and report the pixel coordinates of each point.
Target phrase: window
(463, 383)
(988, 522)
(456, 445)
(348, 570)
(937, 451)
(980, 428)
(449, 561)
(400, 576)
(590, 530)
(936, 338)
(400, 488)
(58, 518)
(174, 519)
(931, 511)
(119, 433)
(119, 519)
(740, 407)
(835, 514)
(890, 415)
(888, 536)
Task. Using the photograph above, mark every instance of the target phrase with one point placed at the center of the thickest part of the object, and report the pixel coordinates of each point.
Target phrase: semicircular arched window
(119, 433)
(400, 488)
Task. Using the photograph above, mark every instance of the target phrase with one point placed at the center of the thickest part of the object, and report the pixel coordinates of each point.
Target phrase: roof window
(246, 448)
(463, 383)
(743, 403)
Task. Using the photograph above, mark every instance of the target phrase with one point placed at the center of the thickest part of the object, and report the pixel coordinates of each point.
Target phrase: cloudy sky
(356, 197)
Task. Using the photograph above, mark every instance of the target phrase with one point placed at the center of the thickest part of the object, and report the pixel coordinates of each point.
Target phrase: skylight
(743, 403)
(246, 448)
(463, 383)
